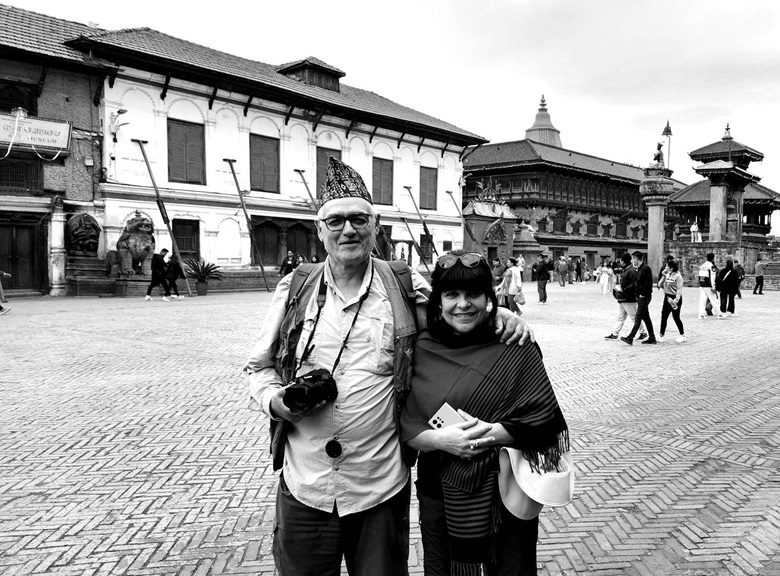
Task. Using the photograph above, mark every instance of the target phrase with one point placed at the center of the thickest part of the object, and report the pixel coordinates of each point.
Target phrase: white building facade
(192, 121)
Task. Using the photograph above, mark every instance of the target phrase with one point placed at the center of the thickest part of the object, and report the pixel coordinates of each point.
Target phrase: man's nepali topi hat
(341, 181)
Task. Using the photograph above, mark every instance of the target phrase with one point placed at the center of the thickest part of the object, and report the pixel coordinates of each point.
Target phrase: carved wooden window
(620, 229)
(559, 223)
(592, 227)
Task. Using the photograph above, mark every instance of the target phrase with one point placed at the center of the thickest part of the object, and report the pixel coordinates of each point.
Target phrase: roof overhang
(199, 75)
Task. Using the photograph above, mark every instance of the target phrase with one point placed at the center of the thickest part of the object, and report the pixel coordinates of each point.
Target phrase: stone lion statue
(134, 249)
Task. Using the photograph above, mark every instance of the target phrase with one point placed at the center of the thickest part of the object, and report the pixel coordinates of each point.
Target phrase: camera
(309, 390)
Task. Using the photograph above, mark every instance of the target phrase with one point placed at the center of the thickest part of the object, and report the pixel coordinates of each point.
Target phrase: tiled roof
(699, 194)
(151, 44)
(40, 34)
(312, 61)
(525, 152)
(722, 148)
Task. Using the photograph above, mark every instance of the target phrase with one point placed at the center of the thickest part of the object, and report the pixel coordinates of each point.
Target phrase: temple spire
(543, 130)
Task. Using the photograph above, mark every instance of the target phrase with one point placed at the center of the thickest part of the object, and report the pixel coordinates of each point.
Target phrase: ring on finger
(472, 445)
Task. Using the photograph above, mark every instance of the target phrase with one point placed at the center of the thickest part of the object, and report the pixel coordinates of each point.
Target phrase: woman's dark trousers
(726, 302)
(666, 310)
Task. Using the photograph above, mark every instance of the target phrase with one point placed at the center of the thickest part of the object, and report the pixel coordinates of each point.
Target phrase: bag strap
(300, 275)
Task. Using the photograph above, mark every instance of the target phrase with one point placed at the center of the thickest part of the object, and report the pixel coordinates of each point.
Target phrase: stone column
(57, 257)
(718, 212)
(655, 190)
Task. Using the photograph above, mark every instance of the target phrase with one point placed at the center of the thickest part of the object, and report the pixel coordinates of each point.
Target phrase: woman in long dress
(605, 279)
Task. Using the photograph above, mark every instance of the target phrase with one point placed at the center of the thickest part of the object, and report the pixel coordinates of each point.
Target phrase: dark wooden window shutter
(382, 181)
(263, 163)
(428, 186)
(186, 152)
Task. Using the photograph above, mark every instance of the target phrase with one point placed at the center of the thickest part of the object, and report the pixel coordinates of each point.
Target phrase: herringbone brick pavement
(126, 446)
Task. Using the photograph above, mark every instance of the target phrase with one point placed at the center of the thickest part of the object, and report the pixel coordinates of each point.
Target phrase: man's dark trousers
(642, 313)
(541, 287)
(310, 542)
(759, 289)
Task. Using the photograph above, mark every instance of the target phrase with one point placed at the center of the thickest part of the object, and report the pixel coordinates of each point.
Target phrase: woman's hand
(464, 440)
(498, 435)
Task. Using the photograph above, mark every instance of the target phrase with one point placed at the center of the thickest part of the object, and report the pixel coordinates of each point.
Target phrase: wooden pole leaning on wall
(466, 226)
(422, 221)
(252, 244)
(163, 212)
(416, 245)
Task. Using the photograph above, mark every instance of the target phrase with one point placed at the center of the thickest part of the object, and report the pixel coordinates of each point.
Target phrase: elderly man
(344, 489)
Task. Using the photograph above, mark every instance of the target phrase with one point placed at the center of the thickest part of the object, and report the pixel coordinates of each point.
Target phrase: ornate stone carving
(496, 233)
(83, 235)
(134, 249)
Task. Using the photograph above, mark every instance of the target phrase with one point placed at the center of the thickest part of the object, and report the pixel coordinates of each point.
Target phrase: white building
(196, 106)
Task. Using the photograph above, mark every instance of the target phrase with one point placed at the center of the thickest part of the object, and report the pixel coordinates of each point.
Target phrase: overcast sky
(612, 71)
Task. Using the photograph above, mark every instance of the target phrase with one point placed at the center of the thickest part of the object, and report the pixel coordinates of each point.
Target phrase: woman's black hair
(673, 266)
(459, 277)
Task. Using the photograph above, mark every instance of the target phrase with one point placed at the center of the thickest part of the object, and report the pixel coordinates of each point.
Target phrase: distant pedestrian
(5, 310)
(759, 289)
(571, 266)
(301, 259)
(707, 293)
(672, 283)
(158, 276)
(173, 272)
(625, 294)
(578, 270)
(662, 271)
(726, 283)
(562, 269)
(541, 273)
(497, 270)
(314, 259)
(740, 277)
(289, 264)
(605, 278)
(644, 293)
(512, 286)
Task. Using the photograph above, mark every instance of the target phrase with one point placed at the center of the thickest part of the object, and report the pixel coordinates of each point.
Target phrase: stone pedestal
(57, 258)
(655, 190)
(718, 212)
(134, 286)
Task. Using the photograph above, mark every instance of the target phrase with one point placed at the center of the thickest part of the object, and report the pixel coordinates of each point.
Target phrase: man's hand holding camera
(306, 395)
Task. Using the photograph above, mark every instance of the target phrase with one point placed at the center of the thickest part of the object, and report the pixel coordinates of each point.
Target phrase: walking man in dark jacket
(158, 276)
(626, 302)
(644, 293)
(542, 275)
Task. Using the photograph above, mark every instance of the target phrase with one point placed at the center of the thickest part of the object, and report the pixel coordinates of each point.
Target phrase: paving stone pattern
(126, 446)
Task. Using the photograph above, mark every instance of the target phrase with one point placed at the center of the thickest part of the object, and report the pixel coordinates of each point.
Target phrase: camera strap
(321, 295)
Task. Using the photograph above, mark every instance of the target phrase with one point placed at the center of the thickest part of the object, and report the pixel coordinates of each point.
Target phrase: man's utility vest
(397, 279)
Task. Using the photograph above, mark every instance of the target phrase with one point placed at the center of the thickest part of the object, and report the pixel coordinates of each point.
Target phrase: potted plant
(202, 272)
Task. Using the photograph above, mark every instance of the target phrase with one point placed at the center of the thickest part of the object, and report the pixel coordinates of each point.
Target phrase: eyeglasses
(357, 221)
(469, 260)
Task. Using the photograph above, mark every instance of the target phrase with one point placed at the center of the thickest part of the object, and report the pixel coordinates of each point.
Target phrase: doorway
(22, 252)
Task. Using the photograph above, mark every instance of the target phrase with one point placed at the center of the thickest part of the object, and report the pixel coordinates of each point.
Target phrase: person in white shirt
(331, 370)
(707, 274)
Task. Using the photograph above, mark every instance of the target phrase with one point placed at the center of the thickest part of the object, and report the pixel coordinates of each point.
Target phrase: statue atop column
(658, 157)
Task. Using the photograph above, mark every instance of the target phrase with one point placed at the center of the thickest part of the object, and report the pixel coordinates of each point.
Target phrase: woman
(173, 272)
(512, 286)
(504, 397)
(672, 283)
(605, 278)
(727, 283)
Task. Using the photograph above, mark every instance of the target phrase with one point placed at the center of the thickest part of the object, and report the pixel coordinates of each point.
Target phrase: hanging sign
(34, 133)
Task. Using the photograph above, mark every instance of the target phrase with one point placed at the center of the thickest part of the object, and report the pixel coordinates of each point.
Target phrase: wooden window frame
(253, 184)
(199, 179)
(379, 196)
(428, 196)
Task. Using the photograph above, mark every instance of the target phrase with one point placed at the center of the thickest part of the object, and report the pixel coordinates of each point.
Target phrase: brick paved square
(127, 448)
